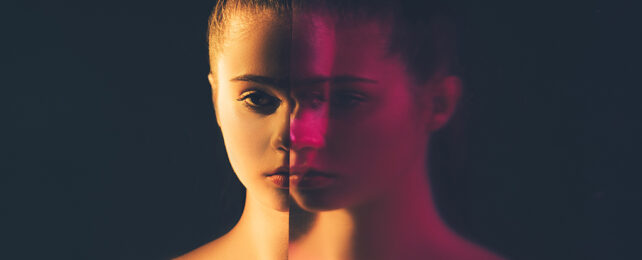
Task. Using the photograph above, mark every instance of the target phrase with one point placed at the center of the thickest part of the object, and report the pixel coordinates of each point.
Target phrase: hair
(225, 9)
(421, 31)
(422, 34)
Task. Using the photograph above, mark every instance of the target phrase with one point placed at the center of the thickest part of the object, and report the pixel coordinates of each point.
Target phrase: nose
(308, 128)
(281, 139)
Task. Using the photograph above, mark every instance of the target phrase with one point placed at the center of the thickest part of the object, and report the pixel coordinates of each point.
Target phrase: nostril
(299, 143)
(282, 143)
(284, 148)
(285, 143)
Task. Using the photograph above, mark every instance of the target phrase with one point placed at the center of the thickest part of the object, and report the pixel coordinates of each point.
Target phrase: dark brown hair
(422, 34)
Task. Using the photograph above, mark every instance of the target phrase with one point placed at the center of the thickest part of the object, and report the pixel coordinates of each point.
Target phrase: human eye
(348, 99)
(260, 101)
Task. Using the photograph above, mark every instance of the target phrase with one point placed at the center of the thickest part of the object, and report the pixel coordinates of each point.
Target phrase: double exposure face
(356, 127)
(321, 100)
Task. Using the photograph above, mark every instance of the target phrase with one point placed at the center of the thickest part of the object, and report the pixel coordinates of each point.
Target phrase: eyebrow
(336, 80)
(264, 80)
(349, 79)
(283, 83)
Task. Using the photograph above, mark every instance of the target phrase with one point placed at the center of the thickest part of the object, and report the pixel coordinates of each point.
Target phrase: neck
(403, 223)
(263, 230)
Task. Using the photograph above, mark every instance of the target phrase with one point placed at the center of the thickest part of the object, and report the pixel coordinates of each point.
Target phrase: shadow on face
(251, 102)
(356, 128)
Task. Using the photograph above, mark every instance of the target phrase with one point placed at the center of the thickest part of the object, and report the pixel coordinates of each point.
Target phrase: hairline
(388, 20)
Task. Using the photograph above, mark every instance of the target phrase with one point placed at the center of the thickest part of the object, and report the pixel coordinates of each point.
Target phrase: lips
(300, 178)
(311, 179)
(280, 178)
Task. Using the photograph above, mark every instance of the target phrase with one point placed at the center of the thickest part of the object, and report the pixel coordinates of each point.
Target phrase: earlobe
(214, 87)
(445, 96)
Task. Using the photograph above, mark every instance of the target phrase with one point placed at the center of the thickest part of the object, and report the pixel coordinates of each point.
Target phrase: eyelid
(349, 99)
(273, 101)
(246, 94)
(265, 91)
(353, 94)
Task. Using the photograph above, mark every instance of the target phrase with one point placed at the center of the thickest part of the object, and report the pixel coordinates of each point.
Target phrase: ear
(444, 95)
(214, 86)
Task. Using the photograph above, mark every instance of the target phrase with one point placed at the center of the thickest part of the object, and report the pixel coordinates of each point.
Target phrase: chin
(318, 200)
(271, 198)
(280, 201)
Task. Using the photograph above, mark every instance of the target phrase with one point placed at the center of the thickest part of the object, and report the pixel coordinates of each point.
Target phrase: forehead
(323, 45)
(308, 45)
(255, 43)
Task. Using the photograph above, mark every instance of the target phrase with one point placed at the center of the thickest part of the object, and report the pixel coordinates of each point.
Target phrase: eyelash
(250, 99)
(348, 99)
(269, 103)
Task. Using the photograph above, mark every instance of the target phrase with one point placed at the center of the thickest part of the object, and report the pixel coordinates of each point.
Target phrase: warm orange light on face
(253, 114)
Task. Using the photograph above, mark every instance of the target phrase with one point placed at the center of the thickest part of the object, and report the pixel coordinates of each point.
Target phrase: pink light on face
(307, 132)
(354, 127)
(359, 133)
(313, 46)
(311, 63)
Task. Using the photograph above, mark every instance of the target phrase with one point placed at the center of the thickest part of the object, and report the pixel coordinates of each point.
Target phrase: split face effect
(328, 96)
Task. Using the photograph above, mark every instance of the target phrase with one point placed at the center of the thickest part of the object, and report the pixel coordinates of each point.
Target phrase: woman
(249, 60)
(330, 86)
(372, 80)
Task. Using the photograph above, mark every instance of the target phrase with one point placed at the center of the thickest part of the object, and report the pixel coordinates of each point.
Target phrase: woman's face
(325, 99)
(355, 129)
(251, 104)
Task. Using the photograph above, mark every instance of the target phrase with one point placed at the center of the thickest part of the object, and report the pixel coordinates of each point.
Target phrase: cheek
(378, 146)
(246, 138)
(388, 142)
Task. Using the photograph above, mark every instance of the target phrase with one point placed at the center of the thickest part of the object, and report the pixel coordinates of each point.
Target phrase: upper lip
(280, 170)
(305, 171)
(298, 170)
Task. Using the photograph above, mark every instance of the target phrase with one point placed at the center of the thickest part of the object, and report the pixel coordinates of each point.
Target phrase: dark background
(111, 150)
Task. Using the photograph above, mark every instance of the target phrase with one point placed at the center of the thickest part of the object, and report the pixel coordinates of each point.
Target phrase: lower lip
(280, 180)
(311, 182)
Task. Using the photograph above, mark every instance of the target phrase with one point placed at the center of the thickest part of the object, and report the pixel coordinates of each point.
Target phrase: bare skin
(377, 203)
(380, 206)
(261, 233)
(401, 225)
(253, 117)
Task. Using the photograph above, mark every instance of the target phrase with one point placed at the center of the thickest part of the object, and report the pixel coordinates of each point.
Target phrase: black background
(112, 150)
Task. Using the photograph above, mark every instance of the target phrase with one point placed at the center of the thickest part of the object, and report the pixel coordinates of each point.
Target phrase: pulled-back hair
(421, 31)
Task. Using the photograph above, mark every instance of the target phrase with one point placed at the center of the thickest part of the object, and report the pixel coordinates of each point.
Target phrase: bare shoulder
(221, 248)
(452, 246)
(207, 251)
